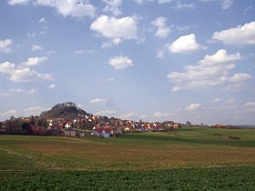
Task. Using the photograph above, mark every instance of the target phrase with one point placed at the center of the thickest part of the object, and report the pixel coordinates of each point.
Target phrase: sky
(149, 60)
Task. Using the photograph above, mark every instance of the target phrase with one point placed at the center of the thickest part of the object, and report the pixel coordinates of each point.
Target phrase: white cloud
(128, 116)
(42, 20)
(15, 2)
(164, 1)
(113, 6)
(11, 92)
(35, 110)
(162, 31)
(237, 87)
(238, 77)
(249, 104)
(114, 29)
(176, 88)
(184, 6)
(240, 35)
(52, 86)
(98, 101)
(107, 79)
(121, 62)
(231, 101)
(249, 107)
(216, 100)
(226, 4)
(142, 1)
(33, 91)
(36, 48)
(31, 34)
(105, 112)
(32, 61)
(7, 114)
(139, 1)
(193, 106)
(161, 115)
(84, 51)
(73, 8)
(185, 43)
(212, 70)
(5, 45)
(160, 54)
(220, 56)
(22, 73)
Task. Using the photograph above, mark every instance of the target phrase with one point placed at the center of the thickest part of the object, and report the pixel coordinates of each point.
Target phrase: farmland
(185, 159)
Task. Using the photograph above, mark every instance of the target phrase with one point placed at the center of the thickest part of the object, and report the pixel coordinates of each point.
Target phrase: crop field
(184, 159)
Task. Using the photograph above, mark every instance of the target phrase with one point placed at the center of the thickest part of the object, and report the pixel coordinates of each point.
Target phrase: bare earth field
(185, 151)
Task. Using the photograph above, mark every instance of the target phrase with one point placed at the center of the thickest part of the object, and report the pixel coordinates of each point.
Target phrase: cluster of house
(86, 126)
(115, 127)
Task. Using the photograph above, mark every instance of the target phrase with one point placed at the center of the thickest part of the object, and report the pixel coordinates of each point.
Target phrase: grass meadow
(184, 159)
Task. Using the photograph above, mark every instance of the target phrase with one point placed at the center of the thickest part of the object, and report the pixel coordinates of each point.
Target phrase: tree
(26, 128)
(188, 123)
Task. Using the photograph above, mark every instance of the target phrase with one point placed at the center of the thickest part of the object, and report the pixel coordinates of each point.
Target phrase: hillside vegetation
(67, 110)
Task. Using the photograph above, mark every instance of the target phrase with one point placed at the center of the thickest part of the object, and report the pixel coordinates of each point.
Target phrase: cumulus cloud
(22, 73)
(98, 101)
(114, 29)
(210, 71)
(32, 61)
(226, 4)
(73, 8)
(113, 6)
(107, 79)
(121, 62)
(185, 6)
(161, 115)
(164, 1)
(250, 107)
(8, 114)
(43, 20)
(163, 30)
(15, 2)
(241, 35)
(5, 45)
(35, 110)
(11, 92)
(51, 86)
(231, 101)
(105, 112)
(216, 100)
(36, 48)
(176, 88)
(127, 116)
(249, 104)
(240, 77)
(185, 43)
(160, 54)
(33, 91)
(193, 106)
(237, 87)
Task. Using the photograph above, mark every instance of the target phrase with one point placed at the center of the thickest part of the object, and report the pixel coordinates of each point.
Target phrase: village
(66, 119)
(83, 126)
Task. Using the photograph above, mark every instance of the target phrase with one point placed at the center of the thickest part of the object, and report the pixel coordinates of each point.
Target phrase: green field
(185, 159)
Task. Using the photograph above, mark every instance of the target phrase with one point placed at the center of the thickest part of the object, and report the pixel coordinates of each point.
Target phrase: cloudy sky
(153, 60)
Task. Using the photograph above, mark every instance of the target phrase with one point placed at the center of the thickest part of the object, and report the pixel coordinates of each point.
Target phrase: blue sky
(153, 60)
